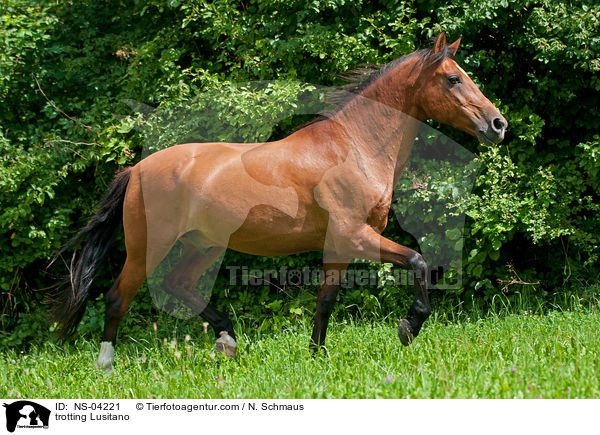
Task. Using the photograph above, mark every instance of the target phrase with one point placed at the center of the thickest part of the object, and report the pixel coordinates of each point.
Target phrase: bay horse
(326, 187)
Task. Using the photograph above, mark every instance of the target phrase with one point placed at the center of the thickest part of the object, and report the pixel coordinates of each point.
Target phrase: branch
(58, 110)
(515, 279)
(46, 141)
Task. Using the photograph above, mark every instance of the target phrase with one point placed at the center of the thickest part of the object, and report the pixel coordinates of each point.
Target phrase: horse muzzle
(493, 132)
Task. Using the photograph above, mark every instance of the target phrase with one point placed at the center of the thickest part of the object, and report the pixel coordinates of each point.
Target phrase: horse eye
(454, 80)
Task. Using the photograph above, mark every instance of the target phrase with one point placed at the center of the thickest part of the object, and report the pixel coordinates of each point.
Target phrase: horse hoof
(316, 350)
(106, 358)
(226, 345)
(404, 333)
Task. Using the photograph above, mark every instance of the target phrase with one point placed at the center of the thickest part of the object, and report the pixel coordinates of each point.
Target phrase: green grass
(518, 355)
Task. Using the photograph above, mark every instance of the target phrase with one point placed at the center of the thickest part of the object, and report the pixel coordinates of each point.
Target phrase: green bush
(536, 200)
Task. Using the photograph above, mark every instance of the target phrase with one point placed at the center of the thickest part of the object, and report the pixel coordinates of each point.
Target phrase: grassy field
(517, 355)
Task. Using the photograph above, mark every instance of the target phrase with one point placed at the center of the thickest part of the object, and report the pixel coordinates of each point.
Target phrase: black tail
(91, 245)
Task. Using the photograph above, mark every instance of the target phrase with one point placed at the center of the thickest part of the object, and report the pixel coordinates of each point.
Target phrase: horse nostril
(498, 124)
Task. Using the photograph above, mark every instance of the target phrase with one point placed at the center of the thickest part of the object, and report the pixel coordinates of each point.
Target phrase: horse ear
(439, 43)
(453, 48)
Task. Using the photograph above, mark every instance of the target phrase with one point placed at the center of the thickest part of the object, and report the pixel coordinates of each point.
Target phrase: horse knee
(172, 287)
(417, 265)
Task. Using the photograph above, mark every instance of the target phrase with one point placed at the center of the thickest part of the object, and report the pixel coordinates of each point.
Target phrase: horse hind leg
(118, 299)
(145, 250)
(181, 284)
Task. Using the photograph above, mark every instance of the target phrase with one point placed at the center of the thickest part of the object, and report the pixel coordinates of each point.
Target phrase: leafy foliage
(69, 69)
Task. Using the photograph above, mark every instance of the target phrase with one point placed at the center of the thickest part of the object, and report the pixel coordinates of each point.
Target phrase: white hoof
(106, 358)
(226, 344)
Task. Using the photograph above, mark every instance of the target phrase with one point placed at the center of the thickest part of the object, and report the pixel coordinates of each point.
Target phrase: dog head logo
(26, 414)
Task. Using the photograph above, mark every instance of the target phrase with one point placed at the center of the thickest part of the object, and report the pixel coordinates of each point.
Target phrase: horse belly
(270, 232)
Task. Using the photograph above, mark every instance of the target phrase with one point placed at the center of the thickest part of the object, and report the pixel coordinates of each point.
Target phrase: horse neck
(383, 120)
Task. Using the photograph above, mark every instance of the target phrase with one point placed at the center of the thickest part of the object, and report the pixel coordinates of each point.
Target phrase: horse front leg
(333, 274)
(367, 244)
(410, 326)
